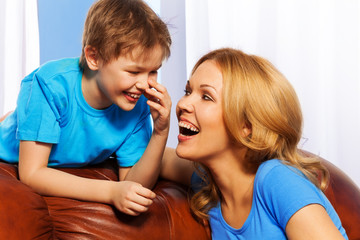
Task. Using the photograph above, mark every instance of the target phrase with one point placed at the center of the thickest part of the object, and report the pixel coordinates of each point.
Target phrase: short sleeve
(37, 113)
(285, 190)
(134, 146)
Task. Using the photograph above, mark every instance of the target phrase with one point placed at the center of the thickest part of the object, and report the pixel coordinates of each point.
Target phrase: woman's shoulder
(275, 167)
(274, 174)
(284, 189)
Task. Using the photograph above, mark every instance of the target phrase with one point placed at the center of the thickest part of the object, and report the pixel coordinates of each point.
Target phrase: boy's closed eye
(138, 72)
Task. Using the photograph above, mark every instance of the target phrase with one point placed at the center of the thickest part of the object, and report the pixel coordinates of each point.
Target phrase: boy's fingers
(140, 203)
(154, 94)
(132, 212)
(146, 193)
(158, 100)
(135, 209)
(157, 93)
(154, 105)
(157, 86)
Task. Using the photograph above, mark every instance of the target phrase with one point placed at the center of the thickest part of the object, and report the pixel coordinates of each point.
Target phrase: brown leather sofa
(344, 195)
(25, 214)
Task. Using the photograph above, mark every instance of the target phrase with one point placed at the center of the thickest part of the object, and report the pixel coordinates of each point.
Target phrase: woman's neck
(235, 180)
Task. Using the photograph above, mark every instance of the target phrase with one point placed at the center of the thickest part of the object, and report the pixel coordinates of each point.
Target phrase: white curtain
(314, 43)
(19, 47)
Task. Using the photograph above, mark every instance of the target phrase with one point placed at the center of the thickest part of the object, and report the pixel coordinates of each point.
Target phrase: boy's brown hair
(116, 27)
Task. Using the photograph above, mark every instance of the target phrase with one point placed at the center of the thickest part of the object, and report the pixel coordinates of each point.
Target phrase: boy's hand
(132, 198)
(160, 106)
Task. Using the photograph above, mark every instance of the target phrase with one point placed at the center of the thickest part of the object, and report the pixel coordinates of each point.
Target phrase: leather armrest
(344, 195)
(25, 214)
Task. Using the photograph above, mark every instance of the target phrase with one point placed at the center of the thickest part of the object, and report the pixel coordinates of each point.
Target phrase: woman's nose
(185, 104)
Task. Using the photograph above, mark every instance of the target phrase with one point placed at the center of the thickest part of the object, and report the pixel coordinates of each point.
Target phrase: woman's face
(202, 132)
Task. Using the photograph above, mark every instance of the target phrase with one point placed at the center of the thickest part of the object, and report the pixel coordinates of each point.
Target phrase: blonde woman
(240, 123)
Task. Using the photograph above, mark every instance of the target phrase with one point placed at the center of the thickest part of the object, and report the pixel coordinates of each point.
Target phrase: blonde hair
(116, 27)
(257, 94)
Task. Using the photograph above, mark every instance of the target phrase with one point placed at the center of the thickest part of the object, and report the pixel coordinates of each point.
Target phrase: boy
(76, 112)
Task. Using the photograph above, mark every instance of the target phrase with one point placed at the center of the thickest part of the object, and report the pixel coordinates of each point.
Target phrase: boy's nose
(142, 83)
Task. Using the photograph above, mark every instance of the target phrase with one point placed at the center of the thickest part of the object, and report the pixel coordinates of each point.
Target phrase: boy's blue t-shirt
(279, 192)
(51, 109)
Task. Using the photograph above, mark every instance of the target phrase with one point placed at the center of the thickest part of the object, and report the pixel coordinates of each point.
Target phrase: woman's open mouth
(187, 129)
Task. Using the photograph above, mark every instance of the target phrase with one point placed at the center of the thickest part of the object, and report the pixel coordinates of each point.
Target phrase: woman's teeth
(187, 129)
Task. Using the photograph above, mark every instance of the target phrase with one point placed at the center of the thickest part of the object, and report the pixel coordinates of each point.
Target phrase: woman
(240, 122)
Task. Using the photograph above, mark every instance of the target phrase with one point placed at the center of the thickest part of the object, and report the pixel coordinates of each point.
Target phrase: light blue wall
(60, 27)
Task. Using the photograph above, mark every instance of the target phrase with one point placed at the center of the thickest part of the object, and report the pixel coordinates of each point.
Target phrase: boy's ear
(92, 58)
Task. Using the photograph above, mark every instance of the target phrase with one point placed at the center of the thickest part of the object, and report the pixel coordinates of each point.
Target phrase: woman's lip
(182, 119)
(182, 138)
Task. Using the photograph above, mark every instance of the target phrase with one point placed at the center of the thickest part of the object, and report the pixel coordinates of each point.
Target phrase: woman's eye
(187, 92)
(133, 73)
(207, 97)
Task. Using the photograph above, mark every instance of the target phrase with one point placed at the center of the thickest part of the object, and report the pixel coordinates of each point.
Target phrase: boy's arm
(147, 169)
(5, 116)
(129, 197)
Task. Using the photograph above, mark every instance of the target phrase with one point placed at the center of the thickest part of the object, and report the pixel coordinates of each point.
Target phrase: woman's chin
(177, 151)
(181, 152)
(185, 153)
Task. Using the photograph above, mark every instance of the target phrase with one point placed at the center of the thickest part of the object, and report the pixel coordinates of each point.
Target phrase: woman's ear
(92, 58)
(246, 130)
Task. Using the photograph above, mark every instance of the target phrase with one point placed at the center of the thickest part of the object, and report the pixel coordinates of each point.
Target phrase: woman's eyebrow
(207, 86)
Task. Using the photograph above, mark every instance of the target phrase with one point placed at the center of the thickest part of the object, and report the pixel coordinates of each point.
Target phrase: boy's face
(122, 81)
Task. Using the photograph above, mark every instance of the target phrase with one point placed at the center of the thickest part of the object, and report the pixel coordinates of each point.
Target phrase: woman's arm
(129, 197)
(176, 169)
(173, 168)
(312, 222)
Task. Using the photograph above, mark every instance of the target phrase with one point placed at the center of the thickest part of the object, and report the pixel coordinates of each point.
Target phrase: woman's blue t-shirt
(51, 109)
(279, 192)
